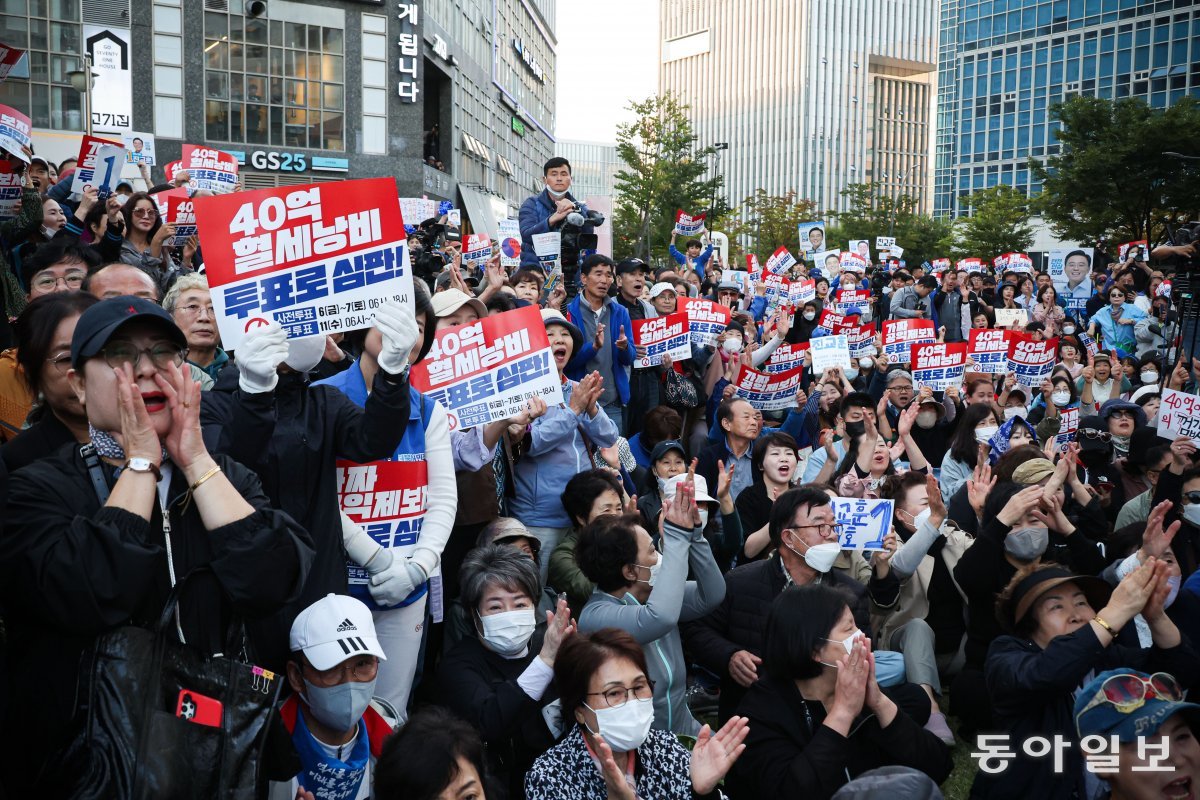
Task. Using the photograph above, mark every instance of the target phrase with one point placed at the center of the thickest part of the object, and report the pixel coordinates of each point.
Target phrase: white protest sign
(863, 524)
(548, 247)
(1007, 317)
(139, 148)
(510, 243)
(1179, 415)
(830, 351)
(662, 336)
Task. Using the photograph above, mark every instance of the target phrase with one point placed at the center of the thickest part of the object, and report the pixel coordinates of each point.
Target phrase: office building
(593, 167)
(810, 96)
(305, 92)
(1003, 64)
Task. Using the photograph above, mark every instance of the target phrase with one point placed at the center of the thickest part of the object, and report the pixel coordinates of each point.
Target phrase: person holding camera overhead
(547, 211)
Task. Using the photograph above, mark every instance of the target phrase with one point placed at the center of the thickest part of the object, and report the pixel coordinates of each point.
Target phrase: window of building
(49, 30)
(273, 82)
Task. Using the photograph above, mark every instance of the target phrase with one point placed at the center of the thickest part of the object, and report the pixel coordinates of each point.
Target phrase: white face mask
(1068, 329)
(732, 345)
(304, 354)
(926, 419)
(703, 522)
(922, 518)
(625, 728)
(866, 363)
(556, 195)
(851, 373)
(820, 556)
(508, 632)
(982, 435)
(1191, 513)
(1060, 398)
(847, 644)
(653, 568)
(1016, 411)
(810, 315)
(1173, 582)
(1149, 377)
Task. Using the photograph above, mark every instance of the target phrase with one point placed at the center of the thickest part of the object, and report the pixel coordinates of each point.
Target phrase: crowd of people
(641, 592)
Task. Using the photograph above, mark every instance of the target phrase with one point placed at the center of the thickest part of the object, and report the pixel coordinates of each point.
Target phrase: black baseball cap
(97, 325)
(632, 265)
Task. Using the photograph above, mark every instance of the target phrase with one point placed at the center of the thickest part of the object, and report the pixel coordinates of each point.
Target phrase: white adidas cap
(333, 629)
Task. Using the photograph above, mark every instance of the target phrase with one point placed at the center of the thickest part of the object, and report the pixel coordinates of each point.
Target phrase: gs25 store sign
(278, 162)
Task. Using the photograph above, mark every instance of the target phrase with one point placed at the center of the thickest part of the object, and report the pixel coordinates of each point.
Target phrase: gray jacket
(905, 302)
(655, 625)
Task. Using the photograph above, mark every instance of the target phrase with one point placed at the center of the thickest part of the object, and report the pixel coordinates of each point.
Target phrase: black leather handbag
(162, 719)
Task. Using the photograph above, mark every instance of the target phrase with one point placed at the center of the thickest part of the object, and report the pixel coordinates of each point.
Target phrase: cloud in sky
(607, 56)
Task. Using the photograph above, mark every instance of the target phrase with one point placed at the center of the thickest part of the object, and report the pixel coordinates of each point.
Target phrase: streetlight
(82, 81)
(718, 148)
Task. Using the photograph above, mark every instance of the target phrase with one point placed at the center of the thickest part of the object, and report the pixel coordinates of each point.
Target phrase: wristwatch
(143, 465)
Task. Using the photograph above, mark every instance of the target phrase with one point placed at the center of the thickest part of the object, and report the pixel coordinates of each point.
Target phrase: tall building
(810, 96)
(305, 91)
(1002, 65)
(593, 167)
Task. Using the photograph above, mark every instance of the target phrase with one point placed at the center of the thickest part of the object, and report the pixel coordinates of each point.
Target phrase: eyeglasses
(1192, 498)
(47, 282)
(361, 670)
(824, 529)
(617, 696)
(61, 362)
(162, 355)
(1092, 433)
(1121, 413)
(1128, 693)
(145, 212)
(193, 309)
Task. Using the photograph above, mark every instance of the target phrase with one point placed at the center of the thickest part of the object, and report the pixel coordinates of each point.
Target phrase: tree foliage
(663, 171)
(763, 223)
(999, 223)
(1111, 179)
(871, 211)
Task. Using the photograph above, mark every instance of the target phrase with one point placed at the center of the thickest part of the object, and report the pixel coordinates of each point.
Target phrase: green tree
(763, 223)
(999, 223)
(1112, 179)
(663, 171)
(872, 212)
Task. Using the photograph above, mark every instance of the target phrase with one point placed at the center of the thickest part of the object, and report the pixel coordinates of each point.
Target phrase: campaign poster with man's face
(1071, 273)
(829, 262)
(862, 247)
(812, 237)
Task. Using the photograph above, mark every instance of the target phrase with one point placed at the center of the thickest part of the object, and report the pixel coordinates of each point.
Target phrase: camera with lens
(1182, 237)
(427, 260)
(577, 245)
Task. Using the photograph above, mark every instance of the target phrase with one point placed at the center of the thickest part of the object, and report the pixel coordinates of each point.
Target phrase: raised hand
(138, 436)
(558, 627)
(714, 754)
(184, 442)
(622, 340)
(937, 508)
(598, 340)
(907, 417)
(1020, 504)
(1155, 540)
(681, 510)
(724, 479)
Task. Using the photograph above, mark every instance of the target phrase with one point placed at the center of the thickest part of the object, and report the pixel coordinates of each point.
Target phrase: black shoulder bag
(162, 719)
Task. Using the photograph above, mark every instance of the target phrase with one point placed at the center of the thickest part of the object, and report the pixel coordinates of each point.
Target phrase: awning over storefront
(485, 210)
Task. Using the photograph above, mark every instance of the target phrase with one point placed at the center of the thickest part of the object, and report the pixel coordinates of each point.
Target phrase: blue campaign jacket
(351, 383)
(618, 319)
(535, 218)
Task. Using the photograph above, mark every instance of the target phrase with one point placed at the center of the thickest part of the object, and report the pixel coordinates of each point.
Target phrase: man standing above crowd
(643, 383)
(607, 335)
(912, 302)
(546, 212)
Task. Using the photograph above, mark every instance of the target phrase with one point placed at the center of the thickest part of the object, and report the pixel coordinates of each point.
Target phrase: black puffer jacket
(740, 622)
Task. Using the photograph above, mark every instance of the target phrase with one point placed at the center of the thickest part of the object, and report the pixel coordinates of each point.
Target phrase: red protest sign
(390, 497)
(706, 320)
(661, 336)
(210, 168)
(1031, 360)
(9, 56)
(179, 210)
(15, 132)
(938, 365)
(860, 338)
(688, 224)
(170, 169)
(786, 357)
(900, 334)
(766, 391)
(833, 321)
(988, 348)
(12, 183)
(317, 259)
(780, 261)
(484, 371)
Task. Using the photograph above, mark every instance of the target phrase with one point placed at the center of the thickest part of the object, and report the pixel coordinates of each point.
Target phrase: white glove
(259, 357)
(398, 325)
(392, 579)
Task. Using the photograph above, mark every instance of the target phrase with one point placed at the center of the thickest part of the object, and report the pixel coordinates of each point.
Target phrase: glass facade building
(1004, 63)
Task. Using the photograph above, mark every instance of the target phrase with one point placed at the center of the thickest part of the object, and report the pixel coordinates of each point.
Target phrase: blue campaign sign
(863, 523)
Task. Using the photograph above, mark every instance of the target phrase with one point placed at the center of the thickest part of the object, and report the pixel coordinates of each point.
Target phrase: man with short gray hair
(190, 303)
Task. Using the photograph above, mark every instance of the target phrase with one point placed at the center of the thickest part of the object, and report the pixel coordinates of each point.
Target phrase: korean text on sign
(486, 370)
(1179, 415)
(766, 391)
(848, 299)
(1068, 427)
(786, 358)
(939, 365)
(688, 225)
(1101, 754)
(780, 261)
(862, 524)
(802, 291)
(510, 243)
(900, 334)
(989, 350)
(388, 499)
(706, 320)
(1031, 361)
(833, 321)
(829, 351)
(210, 169)
(85, 173)
(15, 132)
(861, 340)
(316, 259)
(11, 187)
(662, 336)
(477, 251)
(179, 210)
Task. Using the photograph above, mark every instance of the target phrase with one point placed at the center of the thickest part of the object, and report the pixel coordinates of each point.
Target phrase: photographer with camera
(546, 212)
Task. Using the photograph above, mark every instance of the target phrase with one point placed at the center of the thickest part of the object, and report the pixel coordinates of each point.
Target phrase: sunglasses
(1128, 693)
(1191, 498)
(1092, 433)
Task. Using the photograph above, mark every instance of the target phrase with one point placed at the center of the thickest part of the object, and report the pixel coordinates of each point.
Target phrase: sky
(607, 55)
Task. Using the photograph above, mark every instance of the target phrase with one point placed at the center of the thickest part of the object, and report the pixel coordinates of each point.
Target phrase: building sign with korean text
(409, 60)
